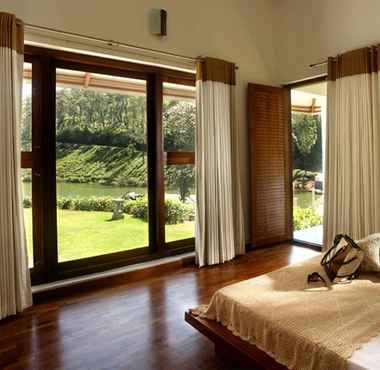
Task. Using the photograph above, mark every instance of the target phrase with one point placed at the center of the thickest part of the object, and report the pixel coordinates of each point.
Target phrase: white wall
(309, 31)
(240, 31)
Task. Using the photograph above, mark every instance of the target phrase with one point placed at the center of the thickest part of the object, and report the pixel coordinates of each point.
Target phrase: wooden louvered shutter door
(271, 193)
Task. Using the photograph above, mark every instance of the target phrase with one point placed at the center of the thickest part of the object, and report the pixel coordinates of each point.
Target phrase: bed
(235, 315)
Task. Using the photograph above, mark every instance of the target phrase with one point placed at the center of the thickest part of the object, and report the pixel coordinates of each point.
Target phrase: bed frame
(231, 349)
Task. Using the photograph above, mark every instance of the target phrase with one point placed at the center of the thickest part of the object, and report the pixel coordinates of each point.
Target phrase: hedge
(27, 202)
(137, 208)
(304, 218)
(175, 211)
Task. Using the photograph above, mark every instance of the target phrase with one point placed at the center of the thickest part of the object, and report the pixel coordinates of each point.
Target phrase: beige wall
(240, 31)
(272, 41)
(309, 31)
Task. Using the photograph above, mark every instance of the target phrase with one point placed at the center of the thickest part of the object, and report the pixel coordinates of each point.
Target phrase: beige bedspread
(300, 328)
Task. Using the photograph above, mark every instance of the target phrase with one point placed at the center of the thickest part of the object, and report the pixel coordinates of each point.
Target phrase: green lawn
(85, 234)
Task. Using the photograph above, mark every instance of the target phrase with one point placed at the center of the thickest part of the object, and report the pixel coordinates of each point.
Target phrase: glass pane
(26, 122)
(308, 123)
(26, 177)
(101, 164)
(179, 202)
(179, 116)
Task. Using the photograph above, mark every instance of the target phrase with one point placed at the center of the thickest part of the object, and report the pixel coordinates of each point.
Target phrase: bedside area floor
(132, 324)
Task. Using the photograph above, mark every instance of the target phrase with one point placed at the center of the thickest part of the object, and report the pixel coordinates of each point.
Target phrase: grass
(84, 234)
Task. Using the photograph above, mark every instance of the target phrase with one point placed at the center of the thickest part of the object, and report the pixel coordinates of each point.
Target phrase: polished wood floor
(133, 325)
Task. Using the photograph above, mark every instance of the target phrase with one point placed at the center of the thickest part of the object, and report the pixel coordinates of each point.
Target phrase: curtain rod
(113, 42)
(370, 50)
(318, 64)
(109, 42)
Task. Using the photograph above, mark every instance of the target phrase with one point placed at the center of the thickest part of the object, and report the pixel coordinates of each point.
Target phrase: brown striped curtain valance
(211, 69)
(365, 60)
(11, 32)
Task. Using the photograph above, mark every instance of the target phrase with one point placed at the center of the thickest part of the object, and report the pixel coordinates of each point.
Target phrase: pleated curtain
(219, 223)
(15, 289)
(352, 190)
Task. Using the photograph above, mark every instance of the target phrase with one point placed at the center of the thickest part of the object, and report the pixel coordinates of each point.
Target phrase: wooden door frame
(290, 86)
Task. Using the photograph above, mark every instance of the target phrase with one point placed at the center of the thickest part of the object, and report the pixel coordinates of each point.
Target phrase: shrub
(102, 204)
(137, 208)
(26, 176)
(175, 211)
(105, 204)
(81, 204)
(64, 203)
(304, 218)
(27, 202)
(190, 212)
(128, 205)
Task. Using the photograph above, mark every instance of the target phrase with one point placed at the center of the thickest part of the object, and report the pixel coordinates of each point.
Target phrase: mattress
(366, 358)
(302, 327)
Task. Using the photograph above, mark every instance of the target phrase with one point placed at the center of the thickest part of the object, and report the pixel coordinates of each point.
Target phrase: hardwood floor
(133, 325)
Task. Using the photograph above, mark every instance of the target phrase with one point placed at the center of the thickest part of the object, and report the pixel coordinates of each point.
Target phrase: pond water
(302, 200)
(307, 200)
(74, 190)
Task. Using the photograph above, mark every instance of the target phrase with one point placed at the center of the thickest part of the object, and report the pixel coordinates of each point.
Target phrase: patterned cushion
(371, 248)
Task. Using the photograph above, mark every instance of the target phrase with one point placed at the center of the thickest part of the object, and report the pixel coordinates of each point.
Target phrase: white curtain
(219, 224)
(352, 197)
(15, 290)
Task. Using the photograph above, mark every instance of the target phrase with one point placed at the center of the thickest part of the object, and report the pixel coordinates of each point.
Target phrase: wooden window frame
(179, 158)
(42, 160)
(290, 87)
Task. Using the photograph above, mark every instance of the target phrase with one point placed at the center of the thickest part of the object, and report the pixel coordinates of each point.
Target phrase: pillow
(370, 245)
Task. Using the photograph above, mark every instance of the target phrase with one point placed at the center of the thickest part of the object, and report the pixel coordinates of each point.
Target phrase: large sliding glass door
(26, 154)
(109, 189)
(308, 130)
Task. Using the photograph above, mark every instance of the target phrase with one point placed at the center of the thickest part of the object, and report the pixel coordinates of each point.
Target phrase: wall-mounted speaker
(158, 19)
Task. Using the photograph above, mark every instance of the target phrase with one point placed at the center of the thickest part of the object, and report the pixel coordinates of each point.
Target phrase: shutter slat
(271, 192)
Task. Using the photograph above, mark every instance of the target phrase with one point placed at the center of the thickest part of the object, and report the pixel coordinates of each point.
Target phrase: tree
(181, 177)
(93, 117)
(179, 126)
(305, 131)
(307, 144)
(179, 119)
(101, 137)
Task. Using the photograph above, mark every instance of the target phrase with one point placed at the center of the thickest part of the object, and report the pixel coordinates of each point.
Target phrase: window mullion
(156, 185)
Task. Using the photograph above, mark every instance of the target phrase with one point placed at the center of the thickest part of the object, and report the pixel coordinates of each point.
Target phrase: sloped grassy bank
(107, 165)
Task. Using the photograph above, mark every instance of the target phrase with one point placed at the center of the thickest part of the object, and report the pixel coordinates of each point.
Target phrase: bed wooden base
(231, 349)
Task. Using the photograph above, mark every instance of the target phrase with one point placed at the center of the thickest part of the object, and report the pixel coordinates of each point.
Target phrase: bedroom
(114, 204)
